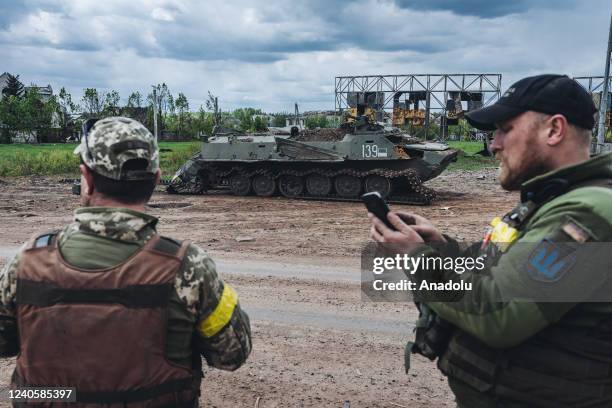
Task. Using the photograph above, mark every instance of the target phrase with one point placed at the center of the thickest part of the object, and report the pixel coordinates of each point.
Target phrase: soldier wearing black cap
(500, 352)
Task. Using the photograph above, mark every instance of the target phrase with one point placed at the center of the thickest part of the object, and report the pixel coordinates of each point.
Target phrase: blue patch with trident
(549, 261)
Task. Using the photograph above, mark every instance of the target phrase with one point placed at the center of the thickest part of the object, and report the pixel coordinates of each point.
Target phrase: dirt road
(316, 343)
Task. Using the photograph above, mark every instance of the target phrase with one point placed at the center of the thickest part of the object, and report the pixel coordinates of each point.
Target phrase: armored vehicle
(338, 164)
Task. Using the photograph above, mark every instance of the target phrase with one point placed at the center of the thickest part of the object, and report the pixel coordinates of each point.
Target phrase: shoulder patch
(44, 240)
(575, 231)
(549, 261)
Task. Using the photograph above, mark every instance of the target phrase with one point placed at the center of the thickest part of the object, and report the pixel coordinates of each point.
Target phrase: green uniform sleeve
(9, 339)
(505, 324)
(222, 329)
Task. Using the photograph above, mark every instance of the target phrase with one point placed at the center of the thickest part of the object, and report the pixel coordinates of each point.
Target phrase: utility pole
(297, 116)
(603, 103)
(217, 115)
(155, 102)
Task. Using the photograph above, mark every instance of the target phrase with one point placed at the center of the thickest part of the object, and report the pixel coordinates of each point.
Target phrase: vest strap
(44, 294)
(167, 246)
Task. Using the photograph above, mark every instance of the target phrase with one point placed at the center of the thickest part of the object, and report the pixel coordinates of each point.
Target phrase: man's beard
(531, 166)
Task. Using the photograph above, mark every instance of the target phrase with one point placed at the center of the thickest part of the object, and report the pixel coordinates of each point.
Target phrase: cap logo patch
(509, 92)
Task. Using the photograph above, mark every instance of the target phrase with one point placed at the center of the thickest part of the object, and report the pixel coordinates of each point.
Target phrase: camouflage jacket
(202, 303)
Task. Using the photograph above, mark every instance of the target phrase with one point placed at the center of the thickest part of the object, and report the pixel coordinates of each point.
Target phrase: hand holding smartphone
(377, 206)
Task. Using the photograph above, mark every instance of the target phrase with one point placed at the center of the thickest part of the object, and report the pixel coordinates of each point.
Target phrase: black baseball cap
(551, 94)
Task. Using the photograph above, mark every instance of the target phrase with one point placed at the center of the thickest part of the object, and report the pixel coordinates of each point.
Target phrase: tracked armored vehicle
(324, 164)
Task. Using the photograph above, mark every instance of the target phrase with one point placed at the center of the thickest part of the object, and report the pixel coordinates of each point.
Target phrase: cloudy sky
(268, 54)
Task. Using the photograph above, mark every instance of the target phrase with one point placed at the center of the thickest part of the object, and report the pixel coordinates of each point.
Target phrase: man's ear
(556, 128)
(87, 185)
(157, 176)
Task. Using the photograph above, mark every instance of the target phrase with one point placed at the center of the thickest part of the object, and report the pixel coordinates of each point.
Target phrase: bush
(317, 121)
(50, 159)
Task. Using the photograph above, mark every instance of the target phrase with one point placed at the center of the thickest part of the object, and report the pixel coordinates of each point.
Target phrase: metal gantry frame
(595, 84)
(436, 87)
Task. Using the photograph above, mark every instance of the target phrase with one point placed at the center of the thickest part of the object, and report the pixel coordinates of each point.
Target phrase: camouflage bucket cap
(112, 142)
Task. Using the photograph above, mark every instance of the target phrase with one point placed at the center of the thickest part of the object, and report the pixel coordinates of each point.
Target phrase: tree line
(24, 111)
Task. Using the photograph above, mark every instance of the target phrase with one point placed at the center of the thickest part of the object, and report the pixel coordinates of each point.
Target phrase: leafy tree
(280, 120)
(212, 104)
(161, 104)
(182, 104)
(10, 117)
(134, 100)
(30, 115)
(93, 102)
(245, 116)
(171, 105)
(260, 124)
(35, 116)
(65, 101)
(111, 103)
(14, 87)
(203, 122)
(316, 121)
(66, 107)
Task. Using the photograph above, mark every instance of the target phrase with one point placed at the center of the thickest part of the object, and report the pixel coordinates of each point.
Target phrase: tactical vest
(556, 367)
(102, 332)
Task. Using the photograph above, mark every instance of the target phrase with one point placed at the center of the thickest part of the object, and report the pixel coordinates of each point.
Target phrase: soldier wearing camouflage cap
(112, 142)
(136, 310)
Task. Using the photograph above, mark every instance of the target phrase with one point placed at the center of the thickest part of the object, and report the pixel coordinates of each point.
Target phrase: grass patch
(469, 160)
(57, 159)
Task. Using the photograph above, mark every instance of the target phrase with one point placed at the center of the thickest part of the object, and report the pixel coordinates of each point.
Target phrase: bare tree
(93, 102)
(134, 100)
(182, 104)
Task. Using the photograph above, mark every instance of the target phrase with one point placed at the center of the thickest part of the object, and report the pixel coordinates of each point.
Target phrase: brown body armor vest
(104, 331)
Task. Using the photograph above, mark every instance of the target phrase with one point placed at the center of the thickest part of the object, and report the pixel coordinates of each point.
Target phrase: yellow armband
(222, 314)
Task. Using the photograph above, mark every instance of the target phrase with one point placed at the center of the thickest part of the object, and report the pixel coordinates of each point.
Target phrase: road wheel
(347, 186)
(318, 185)
(378, 183)
(240, 185)
(264, 185)
(291, 186)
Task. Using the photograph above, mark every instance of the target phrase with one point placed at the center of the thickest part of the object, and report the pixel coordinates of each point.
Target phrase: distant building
(330, 115)
(3, 83)
(45, 92)
(300, 121)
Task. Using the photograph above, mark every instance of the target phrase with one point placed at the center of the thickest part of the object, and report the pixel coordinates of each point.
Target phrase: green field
(469, 161)
(57, 159)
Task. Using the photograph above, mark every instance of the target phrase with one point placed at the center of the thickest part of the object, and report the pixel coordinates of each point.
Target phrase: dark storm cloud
(275, 52)
(482, 8)
(11, 11)
(279, 29)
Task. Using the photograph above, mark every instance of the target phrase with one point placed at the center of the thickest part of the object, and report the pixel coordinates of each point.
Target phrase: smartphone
(377, 206)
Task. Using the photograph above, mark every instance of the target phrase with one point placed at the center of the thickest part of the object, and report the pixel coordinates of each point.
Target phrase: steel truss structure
(594, 85)
(437, 90)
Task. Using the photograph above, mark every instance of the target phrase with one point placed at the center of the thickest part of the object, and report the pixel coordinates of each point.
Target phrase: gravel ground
(316, 343)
